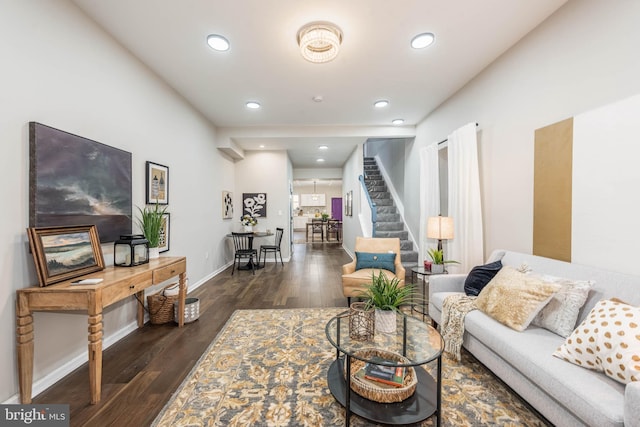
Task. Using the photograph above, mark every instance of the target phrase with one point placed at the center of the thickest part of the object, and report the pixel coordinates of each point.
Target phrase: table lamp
(441, 228)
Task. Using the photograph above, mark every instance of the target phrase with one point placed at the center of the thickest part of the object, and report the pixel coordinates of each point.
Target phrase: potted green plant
(150, 221)
(386, 296)
(325, 217)
(437, 256)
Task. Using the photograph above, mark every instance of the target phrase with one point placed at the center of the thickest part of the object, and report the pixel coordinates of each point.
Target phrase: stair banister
(372, 206)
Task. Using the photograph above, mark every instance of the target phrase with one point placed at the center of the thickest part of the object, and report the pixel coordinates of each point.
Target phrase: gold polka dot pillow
(608, 341)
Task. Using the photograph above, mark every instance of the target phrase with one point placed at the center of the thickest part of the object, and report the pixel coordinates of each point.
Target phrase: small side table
(421, 308)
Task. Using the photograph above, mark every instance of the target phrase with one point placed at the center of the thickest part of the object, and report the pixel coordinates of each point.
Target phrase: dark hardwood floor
(141, 371)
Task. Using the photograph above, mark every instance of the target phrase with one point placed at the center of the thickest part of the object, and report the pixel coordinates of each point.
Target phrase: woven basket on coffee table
(370, 390)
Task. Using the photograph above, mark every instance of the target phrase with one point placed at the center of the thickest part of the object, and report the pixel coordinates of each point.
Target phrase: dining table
(251, 265)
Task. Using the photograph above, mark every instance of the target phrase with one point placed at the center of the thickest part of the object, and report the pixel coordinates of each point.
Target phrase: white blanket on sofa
(454, 309)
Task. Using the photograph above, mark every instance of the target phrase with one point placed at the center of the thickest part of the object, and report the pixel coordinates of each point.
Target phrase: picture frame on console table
(157, 180)
(163, 242)
(62, 253)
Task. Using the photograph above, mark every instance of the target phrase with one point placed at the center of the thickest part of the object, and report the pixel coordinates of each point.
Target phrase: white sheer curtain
(429, 193)
(465, 207)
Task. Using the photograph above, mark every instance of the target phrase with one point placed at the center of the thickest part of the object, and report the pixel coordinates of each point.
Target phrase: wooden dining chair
(334, 228)
(317, 227)
(272, 248)
(243, 245)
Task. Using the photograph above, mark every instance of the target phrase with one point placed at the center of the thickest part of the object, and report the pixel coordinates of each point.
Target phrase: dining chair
(243, 245)
(334, 227)
(272, 248)
(317, 227)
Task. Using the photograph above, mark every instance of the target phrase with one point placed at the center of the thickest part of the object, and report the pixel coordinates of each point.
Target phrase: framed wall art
(74, 180)
(62, 253)
(348, 203)
(163, 242)
(254, 204)
(227, 205)
(157, 184)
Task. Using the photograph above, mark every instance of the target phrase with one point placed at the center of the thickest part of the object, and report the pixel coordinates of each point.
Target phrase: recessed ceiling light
(397, 121)
(261, 145)
(323, 147)
(422, 40)
(320, 160)
(253, 105)
(381, 103)
(217, 42)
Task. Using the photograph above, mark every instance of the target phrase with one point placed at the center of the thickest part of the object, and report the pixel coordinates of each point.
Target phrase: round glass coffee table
(417, 341)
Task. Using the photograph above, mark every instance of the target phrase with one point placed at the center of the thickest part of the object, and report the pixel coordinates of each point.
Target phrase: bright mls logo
(34, 415)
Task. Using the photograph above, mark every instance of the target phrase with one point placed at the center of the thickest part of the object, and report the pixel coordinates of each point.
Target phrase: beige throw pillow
(561, 313)
(514, 298)
(608, 341)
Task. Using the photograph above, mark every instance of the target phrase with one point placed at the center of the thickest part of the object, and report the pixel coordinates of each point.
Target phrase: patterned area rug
(268, 368)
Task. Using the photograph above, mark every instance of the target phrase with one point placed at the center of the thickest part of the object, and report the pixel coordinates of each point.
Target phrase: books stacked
(381, 375)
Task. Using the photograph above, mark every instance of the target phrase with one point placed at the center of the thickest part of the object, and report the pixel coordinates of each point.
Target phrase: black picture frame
(74, 180)
(165, 233)
(254, 205)
(157, 184)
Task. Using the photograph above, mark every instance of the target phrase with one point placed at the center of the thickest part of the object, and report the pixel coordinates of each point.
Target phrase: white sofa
(565, 394)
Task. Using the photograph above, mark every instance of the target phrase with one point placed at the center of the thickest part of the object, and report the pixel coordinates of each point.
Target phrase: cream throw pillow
(561, 313)
(608, 340)
(514, 298)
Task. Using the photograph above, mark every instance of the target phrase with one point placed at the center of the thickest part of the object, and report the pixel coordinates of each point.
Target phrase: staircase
(389, 223)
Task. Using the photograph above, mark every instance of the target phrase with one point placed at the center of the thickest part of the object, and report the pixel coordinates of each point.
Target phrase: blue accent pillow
(384, 261)
(479, 277)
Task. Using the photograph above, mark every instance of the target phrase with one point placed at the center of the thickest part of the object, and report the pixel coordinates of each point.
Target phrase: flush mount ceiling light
(422, 40)
(323, 147)
(217, 42)
(320, 160)
(381, 103)
(319, 41)
(397, 121)
(253, 105)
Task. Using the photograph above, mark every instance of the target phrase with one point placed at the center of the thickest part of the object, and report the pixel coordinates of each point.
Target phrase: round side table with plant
(386, 296)
(150, 221)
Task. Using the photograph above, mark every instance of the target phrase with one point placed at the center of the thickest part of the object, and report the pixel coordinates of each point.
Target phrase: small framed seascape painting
(62, 253)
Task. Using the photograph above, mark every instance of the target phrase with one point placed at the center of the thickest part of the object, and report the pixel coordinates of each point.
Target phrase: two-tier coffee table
(418, 342)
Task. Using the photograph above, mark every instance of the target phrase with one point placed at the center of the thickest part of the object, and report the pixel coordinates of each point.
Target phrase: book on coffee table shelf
(382, 375)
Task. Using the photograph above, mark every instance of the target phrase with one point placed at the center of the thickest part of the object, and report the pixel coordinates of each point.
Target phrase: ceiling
(264, 63)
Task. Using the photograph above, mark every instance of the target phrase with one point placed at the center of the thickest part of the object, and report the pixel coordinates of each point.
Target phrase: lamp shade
(440, 227)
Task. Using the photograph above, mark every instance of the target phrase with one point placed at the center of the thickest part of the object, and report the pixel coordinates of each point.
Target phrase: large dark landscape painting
(77, 181)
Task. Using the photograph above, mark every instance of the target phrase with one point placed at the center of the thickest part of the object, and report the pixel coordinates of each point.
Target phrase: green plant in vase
(150, 222)
(438, 261)
(386, 295)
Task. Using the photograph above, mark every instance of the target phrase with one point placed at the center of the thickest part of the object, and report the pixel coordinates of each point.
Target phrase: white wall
(351, 224)
(584, 56)
(266, 172)
(605, 226)
(60, 69)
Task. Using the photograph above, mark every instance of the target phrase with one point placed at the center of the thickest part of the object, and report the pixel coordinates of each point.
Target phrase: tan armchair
(355, 281)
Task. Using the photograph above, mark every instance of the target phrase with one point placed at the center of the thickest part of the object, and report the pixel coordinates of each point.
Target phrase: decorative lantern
(130, 250)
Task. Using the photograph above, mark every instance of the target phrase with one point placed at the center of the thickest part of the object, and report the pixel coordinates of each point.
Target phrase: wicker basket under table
(161, 307)
(369, 390)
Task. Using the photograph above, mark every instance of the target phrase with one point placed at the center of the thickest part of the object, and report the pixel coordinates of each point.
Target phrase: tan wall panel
(552, 190)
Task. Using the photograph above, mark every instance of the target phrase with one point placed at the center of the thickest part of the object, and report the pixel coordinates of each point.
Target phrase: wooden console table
(117, 284)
